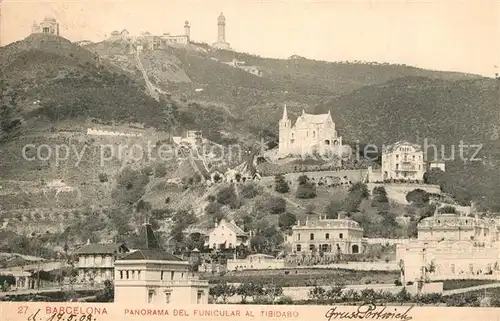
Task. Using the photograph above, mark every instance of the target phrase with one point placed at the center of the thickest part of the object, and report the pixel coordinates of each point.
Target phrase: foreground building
(403, 161)
(154, 276)
(311, 134)
(451, 246)
(329, 236)
(96, 261)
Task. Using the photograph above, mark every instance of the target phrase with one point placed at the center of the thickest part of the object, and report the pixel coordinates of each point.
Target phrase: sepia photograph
(265, 160)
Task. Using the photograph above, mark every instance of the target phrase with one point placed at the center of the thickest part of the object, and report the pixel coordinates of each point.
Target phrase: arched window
(311, 236)
(355, 249)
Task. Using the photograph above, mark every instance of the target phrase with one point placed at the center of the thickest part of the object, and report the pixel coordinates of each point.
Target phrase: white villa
(403, 161)
(310, 134)
(227, 234)
(329, 236)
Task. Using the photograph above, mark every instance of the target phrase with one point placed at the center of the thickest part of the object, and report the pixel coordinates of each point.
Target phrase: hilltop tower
(187, 30)
(221, 33)
(285, 124)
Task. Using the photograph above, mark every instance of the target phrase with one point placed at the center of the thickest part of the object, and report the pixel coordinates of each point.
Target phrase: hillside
(198, 74)
(441, 111)
(48, 78)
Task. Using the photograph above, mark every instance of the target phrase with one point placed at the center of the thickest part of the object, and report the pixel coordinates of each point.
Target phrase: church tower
(285, 125)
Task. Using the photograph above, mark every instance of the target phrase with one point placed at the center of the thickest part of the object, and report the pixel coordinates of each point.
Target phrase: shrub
(280, 184)
(103, 177)
(306, 191)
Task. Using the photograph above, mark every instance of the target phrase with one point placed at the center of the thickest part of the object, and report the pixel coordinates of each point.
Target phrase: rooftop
(97, 248)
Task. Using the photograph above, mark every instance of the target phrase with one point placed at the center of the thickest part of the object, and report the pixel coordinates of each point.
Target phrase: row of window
(168, 296)
(327, 236)
(326, 248)
(129, 275)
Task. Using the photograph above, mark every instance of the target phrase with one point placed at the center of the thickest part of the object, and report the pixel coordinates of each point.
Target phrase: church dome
(221, 18)
(186, 23)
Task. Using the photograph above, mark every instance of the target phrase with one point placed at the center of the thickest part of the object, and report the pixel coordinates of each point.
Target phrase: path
(471, 288)
(152, 91)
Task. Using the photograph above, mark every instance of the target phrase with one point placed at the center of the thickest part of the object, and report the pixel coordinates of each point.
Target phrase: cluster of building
(452, 246)
(316, 134)
(148, 275)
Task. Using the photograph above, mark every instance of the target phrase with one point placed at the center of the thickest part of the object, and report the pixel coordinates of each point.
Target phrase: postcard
(249, 160)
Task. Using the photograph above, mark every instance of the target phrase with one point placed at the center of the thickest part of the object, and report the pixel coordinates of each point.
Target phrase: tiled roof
(316, 119)
(151, 254)
(110, 248)
(233, 227)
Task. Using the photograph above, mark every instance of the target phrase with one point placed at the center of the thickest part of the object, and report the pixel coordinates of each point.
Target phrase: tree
(335, 291)
(306, 189)
(275, 205)
(361, 188)
(317, 293)
(434, 176)
(286, 221)
(222, 290)
(273, 291)
(418, 196)
(333, 208)
(227, 196)
(379, 197)
(280, 184)
(249, 289)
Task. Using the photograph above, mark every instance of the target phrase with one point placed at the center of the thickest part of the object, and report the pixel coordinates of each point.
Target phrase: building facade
(403, 161)
(49, 25)
(328, 236)
(154, 276)
(310, 134)
(227, 234)
(96, 261)
(451, 246)
(221, 34)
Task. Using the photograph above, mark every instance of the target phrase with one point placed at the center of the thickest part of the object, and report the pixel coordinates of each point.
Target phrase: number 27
(22, 309)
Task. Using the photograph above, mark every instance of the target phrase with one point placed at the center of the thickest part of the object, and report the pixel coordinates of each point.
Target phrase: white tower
(285, 125)
(187, 30)
(221, 23)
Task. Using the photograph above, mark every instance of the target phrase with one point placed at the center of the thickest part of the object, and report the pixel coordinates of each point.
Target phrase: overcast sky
(440, 34)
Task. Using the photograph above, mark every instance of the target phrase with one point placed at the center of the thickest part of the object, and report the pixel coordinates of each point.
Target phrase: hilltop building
(48, 25)
(221, 34)
(403, 161)
(151, 275)
(329, 236)
(96, 261)
(311, 134)
(149, 41)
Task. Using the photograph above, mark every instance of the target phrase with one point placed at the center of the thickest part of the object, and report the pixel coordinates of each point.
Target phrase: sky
(446, 35)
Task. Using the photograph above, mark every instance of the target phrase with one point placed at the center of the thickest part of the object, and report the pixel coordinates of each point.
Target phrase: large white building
(310, 134)
(329, 236)
(157, 277)
(452, 246)
(403, 161)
